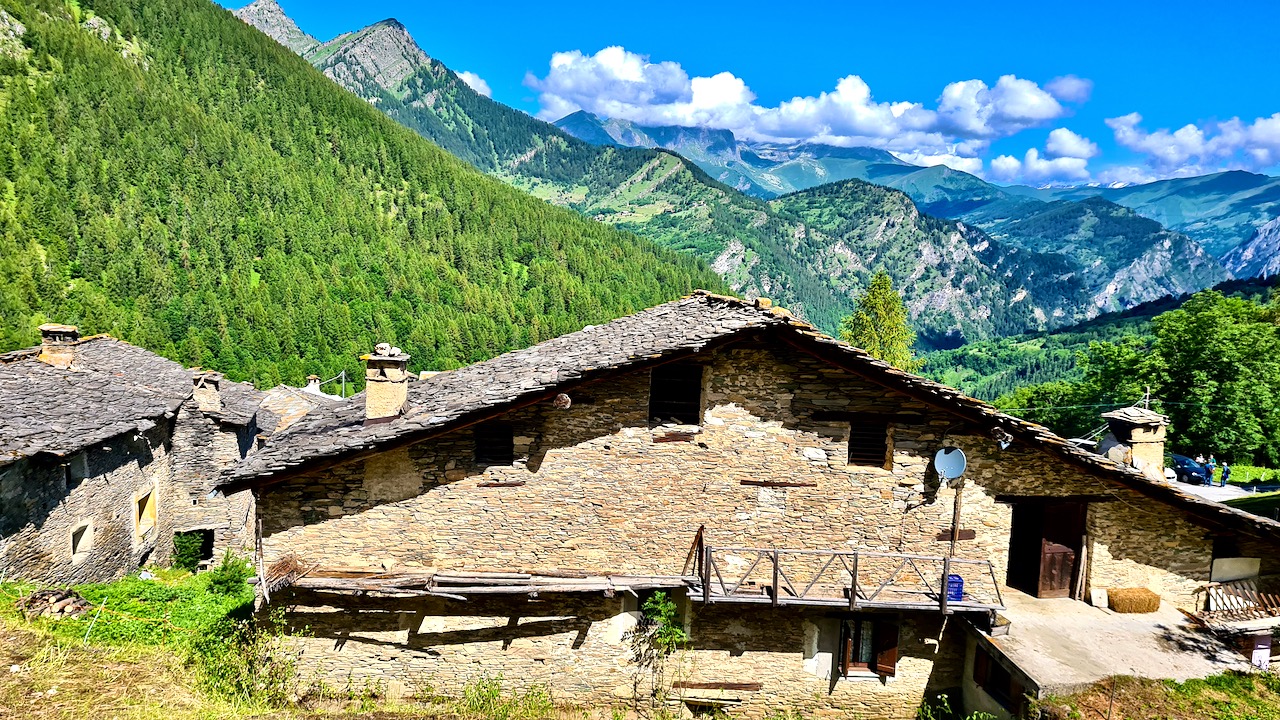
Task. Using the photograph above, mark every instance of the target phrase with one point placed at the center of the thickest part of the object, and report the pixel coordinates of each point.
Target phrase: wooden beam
(686, 685)
(776, 483)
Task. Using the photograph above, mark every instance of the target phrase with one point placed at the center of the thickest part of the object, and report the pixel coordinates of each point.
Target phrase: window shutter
(845, 653)
(981, 667)
(886, 648)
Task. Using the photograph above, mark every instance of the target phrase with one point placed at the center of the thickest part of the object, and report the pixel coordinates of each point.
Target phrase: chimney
(57, 345)
(386, 388)
(205, 390)
(1136, 438)
(313, 385)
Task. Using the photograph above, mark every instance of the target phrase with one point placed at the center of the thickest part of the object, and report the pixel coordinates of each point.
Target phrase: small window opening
(81, 540)
(495, 444)
(75, 471)
(675, 393)
(145, 513)
(869, 443)
(867, 646)
(996, 681)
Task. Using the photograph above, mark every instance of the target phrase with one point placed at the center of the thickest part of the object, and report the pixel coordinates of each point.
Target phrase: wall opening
(869, 443)
(675, 393)
(81, 541)
(495, 444)
(144, 513)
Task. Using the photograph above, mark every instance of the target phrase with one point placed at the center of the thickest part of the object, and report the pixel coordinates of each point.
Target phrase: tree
(879, 325)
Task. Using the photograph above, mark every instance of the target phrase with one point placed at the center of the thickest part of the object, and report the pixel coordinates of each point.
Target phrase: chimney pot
(57, 345)
(205, 390)
(1143, 432)
(386, 389)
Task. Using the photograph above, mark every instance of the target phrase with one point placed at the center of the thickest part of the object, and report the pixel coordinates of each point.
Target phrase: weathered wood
(777, 483)
(513, 483)
(965, 534)
(686, 685)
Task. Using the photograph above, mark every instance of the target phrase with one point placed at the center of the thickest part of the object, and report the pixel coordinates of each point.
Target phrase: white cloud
(1196, 149)
(968, 115)
(1064, 143)
(1037, 170)
(476, 82)
(1070, 88)
(971, 165)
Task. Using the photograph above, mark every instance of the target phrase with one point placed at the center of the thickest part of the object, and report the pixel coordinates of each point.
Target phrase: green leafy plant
(186, 550)
(663, 618)
(229, 577)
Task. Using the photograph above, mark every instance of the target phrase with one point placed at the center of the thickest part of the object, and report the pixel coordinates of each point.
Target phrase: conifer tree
(879, 325)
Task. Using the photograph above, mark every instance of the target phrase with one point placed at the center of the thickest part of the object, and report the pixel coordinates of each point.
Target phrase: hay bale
(1133, 600)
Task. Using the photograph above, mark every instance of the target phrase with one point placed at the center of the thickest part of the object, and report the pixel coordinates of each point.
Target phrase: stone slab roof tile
(329, 433)
(113, 388)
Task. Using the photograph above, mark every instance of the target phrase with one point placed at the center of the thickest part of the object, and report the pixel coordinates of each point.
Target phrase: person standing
(1226, 473)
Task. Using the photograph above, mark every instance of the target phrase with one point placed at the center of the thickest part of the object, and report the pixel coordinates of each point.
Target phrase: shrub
(661, 614)
(245, 662)
(186, 550)
(229, 577)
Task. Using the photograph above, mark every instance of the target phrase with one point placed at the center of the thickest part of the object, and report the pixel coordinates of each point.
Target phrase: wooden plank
(965, 534)
(686, 685)
(513, 483)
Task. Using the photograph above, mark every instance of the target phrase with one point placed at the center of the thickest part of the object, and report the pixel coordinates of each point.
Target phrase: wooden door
(1057, 570)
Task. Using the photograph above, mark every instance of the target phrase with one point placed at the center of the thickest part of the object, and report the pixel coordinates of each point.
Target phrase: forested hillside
(176, 178)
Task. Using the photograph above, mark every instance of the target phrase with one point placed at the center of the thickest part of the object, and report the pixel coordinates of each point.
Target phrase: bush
(245, 662)
(229, 577)
(661, 614)
(186, 550)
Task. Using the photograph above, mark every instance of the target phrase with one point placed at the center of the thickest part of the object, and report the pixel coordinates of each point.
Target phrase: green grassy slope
(172, 176)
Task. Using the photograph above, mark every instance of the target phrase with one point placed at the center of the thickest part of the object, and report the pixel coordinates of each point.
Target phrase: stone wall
(580, 648)
(599, 488)
(42, 509)
(203, 448)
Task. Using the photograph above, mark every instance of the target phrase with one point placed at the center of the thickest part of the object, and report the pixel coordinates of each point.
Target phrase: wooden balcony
(851, 580)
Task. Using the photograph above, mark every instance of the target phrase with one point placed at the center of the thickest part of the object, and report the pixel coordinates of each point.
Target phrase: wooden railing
(850, 579)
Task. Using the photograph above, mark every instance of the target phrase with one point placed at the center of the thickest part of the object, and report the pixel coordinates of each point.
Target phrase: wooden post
(853, 586)
(955, 518)
(706, 574)
(775, 577)
(946, 570)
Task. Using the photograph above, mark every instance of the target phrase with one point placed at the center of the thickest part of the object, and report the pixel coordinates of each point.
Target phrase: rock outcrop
(1259, 256)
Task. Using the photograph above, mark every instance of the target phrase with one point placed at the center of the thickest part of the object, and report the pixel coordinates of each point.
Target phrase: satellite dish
(949, 462)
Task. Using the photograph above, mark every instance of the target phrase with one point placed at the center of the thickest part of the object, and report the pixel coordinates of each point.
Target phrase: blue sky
(1204, 77)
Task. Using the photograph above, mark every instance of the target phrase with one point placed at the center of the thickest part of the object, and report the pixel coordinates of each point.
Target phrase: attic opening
(144, 513)
(675, 393)
(869, 442)
(81, 541)
(495, 444)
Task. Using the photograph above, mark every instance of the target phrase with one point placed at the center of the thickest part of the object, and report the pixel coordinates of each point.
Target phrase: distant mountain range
(1219, 211)
(705, 193)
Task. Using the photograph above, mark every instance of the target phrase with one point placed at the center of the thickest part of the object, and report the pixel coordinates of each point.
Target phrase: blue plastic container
(955, 588)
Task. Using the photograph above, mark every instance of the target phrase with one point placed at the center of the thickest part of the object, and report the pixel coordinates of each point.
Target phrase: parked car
(1190, 471)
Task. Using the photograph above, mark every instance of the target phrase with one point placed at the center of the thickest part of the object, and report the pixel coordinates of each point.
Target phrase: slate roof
(114, 388)
(283, 405)
(490, 387)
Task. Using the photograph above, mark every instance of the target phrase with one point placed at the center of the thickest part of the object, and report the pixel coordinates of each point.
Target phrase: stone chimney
(205, 390)
(386, 388)
(58, 345)
(1136, 438)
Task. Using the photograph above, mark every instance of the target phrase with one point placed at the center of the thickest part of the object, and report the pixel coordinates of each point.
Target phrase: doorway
(1044, 546)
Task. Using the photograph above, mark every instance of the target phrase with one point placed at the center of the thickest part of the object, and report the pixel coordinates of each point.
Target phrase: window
(996, 681)
(144, 517)
(867, 645)
(495, 444)
(81, 541)
(868, 442)
(75, 471)
(675, 393)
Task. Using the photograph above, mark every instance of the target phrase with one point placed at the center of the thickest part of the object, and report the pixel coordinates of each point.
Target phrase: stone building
(511, 517)
(108, 450)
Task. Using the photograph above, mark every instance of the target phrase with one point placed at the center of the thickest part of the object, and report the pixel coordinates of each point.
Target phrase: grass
(1230, 696)
(1251, 475)
(1264, 504)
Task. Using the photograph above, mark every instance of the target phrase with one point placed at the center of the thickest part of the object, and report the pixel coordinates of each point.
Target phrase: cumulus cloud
(1195, 149)
(1053, 170)
(1063, 143)
(966, 117)
(476, 82)
(1070, 88)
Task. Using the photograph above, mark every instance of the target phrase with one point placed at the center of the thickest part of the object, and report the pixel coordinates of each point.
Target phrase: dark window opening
(675, 393)
(996, 681)
(1226, 546)
(75, 471)
(869, 443)
(867, 645)
(82, 539)
(495, 444)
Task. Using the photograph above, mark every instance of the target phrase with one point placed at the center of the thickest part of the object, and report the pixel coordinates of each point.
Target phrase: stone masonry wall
(596, 488)
(41, 511)
(203, 448)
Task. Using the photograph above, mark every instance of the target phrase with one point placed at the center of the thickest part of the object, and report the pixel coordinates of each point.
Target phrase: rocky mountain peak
(1259, 256)
(270, 18)
(383, 54)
